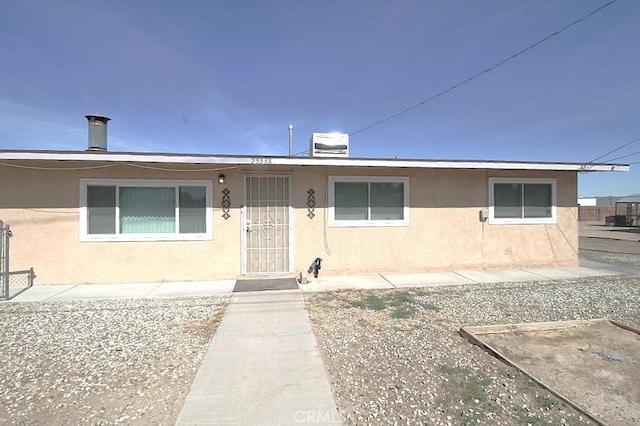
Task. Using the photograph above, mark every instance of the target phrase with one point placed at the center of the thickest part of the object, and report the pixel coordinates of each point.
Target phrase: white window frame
(367, 223)
(145, 183)
(523, 221)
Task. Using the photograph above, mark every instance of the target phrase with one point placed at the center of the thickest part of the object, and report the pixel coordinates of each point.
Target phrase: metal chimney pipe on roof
(97, 132)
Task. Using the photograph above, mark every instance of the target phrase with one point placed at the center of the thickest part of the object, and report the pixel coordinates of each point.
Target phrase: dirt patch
(610, 251)
(612, 245)
(394, 356)
(204, 329)
(592, 363)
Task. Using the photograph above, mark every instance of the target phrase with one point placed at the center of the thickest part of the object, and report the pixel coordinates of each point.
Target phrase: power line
(473, 77)
(614, 150)
(585, 168)
(623, 156)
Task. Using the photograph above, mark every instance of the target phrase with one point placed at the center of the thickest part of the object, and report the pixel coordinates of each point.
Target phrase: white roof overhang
(166, 158)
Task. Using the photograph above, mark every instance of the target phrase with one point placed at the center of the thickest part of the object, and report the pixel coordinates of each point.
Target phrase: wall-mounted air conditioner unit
(329, 145)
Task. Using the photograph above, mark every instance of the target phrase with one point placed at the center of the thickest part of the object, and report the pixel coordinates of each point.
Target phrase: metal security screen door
(266, 225)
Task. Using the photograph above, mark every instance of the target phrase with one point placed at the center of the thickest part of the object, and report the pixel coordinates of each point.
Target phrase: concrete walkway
(40, 293)
(263, 367)
(438, 279)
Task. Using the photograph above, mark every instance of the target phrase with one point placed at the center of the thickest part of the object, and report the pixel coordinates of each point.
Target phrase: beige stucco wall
(42, 207)
(445, 232)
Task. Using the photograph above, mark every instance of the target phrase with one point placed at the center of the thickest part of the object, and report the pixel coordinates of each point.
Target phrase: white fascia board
(447, 164)
(123, 157)
(586, 168)
(307, 161)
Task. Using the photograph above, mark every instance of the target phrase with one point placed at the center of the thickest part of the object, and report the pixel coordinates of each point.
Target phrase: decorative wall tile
(226, 203)
(311, 203)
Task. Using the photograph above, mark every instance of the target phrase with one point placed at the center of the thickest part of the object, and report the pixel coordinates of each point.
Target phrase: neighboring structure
(589, 211)
(587, 202)
(106, 217)
(628, 211)
(605, 208)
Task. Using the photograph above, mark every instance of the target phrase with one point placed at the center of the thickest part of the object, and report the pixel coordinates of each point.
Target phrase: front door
(266, 225)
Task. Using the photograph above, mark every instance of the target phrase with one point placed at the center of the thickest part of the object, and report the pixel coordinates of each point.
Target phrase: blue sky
(229, 77)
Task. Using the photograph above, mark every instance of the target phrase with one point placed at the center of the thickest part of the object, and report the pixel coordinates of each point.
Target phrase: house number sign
(260, 160)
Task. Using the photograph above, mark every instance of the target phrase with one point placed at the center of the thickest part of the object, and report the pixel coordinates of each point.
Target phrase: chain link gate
(11, 283)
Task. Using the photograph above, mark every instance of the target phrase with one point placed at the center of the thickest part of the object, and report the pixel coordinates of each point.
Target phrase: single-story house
(97, 216)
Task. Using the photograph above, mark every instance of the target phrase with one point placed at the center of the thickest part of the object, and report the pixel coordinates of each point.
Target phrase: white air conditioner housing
(329, 145)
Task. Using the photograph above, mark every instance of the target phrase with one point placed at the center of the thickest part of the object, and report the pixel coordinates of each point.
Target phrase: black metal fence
(11, 283)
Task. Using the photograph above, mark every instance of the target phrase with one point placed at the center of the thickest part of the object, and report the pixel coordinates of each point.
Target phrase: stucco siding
(42, 208)
(445, 233)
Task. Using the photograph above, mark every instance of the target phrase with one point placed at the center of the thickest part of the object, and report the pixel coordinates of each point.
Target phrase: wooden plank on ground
(474, 335)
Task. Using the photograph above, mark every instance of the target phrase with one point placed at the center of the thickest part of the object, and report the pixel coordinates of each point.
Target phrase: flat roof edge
(304, 161)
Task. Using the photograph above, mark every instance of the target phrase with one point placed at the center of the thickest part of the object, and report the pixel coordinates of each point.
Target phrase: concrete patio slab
(263, 366)
(607, 267)
(429, 279)
(496, 276)
(193, 289)
(346, 282)
(106, 291)
(570, 272)
(41, 293)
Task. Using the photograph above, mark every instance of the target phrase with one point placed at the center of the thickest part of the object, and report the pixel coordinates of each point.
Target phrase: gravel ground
(395, 356)
(102, 362)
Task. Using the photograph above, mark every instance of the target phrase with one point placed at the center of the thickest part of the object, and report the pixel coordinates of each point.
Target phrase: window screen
(193, 209)
(351, 201)
(387, 200)
(368, 201)
(518, 201)
(101, 209)
(145, 209)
